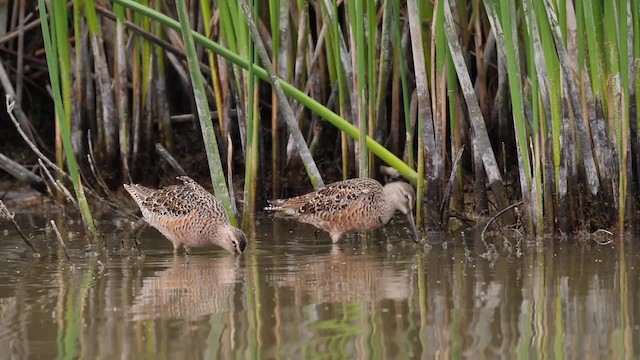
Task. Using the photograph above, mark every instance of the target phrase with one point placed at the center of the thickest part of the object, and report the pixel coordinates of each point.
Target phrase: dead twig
(58, 185)
(64, 247)
(501, 212)
(14, 34)
(21, 173)
(23, 122)
(164, 153)
(594, 236)
(444, 207)
(11, 103)
(91, 158)
(10, 106)
(232, 196)
(5, 214)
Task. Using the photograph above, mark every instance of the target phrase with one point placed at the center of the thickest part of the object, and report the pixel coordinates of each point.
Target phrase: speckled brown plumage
(188, 215)
(349, 206)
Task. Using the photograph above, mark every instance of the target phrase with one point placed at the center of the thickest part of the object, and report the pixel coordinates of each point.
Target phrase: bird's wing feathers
(180, 200)
(333, 197)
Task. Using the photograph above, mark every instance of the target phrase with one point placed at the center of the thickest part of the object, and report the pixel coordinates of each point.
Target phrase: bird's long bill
(412, 225)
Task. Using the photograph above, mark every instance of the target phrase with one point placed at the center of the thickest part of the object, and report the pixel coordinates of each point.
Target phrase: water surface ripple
(291, 296)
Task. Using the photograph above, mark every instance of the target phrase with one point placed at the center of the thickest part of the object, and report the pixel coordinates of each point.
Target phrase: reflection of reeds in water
(203, 286)
(344, 277)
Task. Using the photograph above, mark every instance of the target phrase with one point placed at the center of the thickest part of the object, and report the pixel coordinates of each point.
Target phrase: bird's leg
(137, 229)
(384, 230)
(356, 236)
(315, 233)
(187, 255)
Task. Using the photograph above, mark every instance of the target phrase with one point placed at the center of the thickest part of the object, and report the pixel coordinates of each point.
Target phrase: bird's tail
(138, 192)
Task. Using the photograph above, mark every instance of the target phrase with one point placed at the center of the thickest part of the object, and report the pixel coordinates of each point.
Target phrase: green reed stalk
(454, 124)
(624, 31)
(120, 79)
(146, 60)
(515, 85)
(382, 83)
(420, 188)
(612, 64)
(538, 136)
(303, 150)
(205, 7)
(235, 34)
(136, 101)
(253, 122)
(438, 88)
(596, 64)
(372, 28)
(356, 17)
(406, 95)
(635, 9)
(208, 134)
(77, 132)
(553, 83)
(109, 148)
(297, 94)
(439, 57)
(60, 34)
(56, 76)
(424, 105)
(162, 104)
(334, 54)
(274, 19)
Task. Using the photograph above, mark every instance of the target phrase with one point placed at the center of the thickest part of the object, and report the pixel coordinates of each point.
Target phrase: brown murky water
(291, 296)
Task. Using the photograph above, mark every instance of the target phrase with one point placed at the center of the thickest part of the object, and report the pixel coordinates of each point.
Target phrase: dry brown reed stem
(164, 153)
(20, 57)
(232, 195)
(44, 160)
(10, 107)
(5, 214)
(64, 247)
(16, 33)
(481, 142)
(303, 149)
(444, 208)
(91, 159)
(591, 172)
(23, 121)
(21, 173)
(58, 185)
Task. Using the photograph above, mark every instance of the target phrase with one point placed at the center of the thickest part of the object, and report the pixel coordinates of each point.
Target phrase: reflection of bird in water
(203, 286)
(349, 206)
(188, 215)
(345, 277)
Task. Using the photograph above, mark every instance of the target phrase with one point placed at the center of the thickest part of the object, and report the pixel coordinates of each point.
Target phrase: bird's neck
(387, 214)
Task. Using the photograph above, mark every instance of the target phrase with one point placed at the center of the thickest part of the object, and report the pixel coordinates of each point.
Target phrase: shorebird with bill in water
(188, 215)
(352, 205)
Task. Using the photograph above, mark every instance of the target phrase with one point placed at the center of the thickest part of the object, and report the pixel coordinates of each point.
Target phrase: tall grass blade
(507, 8)
(204, 114)
(109, 123)
(587, 153)
(480, 137)
(298, 95)
(61, 113)
(305, 155)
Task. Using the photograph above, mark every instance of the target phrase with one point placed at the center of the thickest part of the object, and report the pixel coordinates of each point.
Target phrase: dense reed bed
(280, 97)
